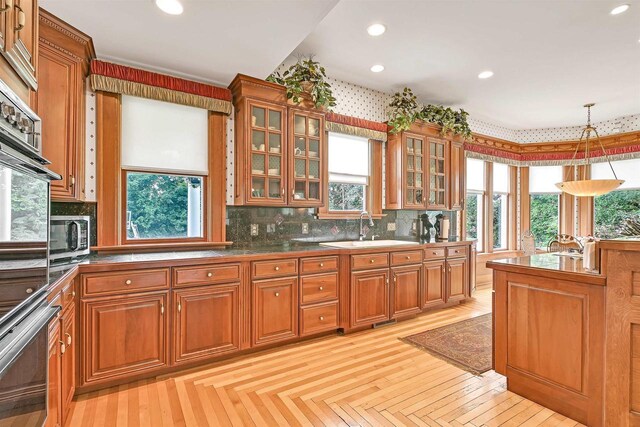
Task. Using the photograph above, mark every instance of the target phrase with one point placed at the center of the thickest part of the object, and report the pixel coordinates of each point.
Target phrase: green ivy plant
(404, 110)
(306, 76)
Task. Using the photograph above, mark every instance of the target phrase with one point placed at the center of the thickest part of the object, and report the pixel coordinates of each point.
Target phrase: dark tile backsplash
(281, 225)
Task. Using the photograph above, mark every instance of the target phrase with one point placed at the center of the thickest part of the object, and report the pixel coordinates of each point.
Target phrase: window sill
(157, 247)
(346, 215)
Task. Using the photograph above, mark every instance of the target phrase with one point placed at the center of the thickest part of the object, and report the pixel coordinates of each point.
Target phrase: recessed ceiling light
(376, 29)
(377, 68)
(172, 7)
(485, 74)
(619, 9)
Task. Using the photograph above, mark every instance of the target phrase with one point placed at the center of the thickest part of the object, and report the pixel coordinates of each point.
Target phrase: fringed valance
(357, 127)
(109, 77)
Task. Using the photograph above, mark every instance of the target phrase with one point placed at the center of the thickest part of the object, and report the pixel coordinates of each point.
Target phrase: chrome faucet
(363, 234)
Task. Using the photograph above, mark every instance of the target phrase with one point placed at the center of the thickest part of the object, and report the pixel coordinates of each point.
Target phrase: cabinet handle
(179, 307)
(435, 253)
(395, 279)
(22, 18)
(127, 282)
(209, 274)
(321, 317)
(277, 268)
(68, 339)
(8, 4)
(282, 191)
(277, 294)
(372, 261)
(29, 290)
(321, 288)
(63, 348)
(408, 257)
(449, 269)
(72, 181)
(162, 309)
(73, 294)
(387, 281)
(321, 264)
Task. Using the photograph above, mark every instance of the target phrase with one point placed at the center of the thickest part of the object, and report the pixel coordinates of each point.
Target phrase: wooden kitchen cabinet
(68, 362)
(274, 310)
(206, 322)
(279, 148)
(63, 65)
(20, 38)
(457, 180)
(457, 279)
(405, 298)
(438, 167)
(123, 335)
(434, 289)
(54, 395)
(369, 297)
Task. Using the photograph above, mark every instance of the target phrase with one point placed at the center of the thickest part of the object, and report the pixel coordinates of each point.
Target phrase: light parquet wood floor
(364, 379)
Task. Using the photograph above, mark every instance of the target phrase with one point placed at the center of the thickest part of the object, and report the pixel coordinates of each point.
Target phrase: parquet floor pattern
(364, 379)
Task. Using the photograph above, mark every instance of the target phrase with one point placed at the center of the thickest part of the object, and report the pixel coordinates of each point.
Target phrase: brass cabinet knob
(372, 260)
(408, 257)
(277, 294)
(63, 348)
(321, 317)
(68, 338)
(209, 274)
(321, 288)
(29, 290)
(73, 294)
(435, 253)
(127, 282)
(321, 264)
(277, 268)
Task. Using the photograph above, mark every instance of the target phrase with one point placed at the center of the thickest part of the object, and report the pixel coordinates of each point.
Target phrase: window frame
(560, 212)
(373, 197)
(123, 203)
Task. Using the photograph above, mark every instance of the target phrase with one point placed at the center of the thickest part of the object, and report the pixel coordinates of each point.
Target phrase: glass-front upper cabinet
(306, 153)
(267, 148)
(414, 154)
(438, 173)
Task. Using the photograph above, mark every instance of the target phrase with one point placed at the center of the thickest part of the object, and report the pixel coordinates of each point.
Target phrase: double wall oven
(24, 265)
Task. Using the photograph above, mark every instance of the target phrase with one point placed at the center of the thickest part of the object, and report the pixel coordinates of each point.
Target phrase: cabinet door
(275, 310)
(68, 371)
(438, 184)
(306, 153)
(54, 398)
(58, 102)
(457, 176)
(414, 171)
(266, 149)
(369, 297)
(217, 307)
(457, 279)
(123, 336)
(405, 298)
(22, 40)
(433, 290)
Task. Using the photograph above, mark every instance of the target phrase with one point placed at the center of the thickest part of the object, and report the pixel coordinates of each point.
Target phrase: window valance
(116, 78)
(356, 127)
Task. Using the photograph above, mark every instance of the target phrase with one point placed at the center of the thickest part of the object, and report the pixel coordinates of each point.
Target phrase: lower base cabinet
(54, 397)
(369, 297)
(405, 295)
(68, 362)
(434, 289)
(457, 279)
(123, 336)
(206, 322)
(274, 310)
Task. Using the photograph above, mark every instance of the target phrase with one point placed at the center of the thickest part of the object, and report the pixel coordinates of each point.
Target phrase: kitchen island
(568, 338)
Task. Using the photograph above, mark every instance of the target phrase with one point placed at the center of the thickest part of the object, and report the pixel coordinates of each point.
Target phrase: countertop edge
(584, 278)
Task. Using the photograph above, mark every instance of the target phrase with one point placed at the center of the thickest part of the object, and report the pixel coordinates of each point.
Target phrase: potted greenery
(306, 77)
(404, 111)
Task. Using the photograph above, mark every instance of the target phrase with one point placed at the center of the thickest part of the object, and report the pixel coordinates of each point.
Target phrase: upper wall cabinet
(424, 170)
(19, 45)
(279, 148)
(63, 65)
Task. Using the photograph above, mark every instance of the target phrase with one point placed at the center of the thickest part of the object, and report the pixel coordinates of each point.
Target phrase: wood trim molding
(525, 207)
(585, 207)
(512, 239)
(567, 206)
(216, 180)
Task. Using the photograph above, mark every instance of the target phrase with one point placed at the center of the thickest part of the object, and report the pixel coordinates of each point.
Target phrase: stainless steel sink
(368, 243)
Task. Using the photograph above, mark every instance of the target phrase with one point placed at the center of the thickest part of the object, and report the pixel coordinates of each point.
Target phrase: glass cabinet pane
(274, 165)
(418, 196)
(299, 125)
(257, 117)
(275, 120)
(257, 140)
(314, 148)
(314, 127)
(300, 168)
(275, 143)
(418, 147)
(257, 187)
(410, 161)
(301, 147)
(314, 169)
(300, 191)
(275, 189)
(257, 164)
(410, 197)
(314, 190)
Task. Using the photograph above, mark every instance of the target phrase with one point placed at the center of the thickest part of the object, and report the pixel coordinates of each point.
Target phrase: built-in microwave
(69, 237)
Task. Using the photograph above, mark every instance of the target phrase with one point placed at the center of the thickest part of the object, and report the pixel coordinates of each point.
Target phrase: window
(612, 209)
(349, 159)
(164, 161)
(544, 203)
(475, 202)
(500, 205)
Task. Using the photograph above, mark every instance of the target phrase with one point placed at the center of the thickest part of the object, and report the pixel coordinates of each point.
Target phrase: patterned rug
(466, 344)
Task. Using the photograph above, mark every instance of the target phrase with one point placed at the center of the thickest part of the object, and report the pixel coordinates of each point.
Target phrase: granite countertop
(547, 265)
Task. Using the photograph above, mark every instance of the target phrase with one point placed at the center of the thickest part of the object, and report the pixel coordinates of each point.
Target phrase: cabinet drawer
(323, 287)
(457, 251)
(95, 284)
(318, 318)
(434, 253)
(206, 274)
(318, 265)
(277, 268)
(360, 262)
(406, 257)
(68, 295)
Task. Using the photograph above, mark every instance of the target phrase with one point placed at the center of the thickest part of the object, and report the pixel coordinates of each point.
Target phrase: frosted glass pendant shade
(590, 187)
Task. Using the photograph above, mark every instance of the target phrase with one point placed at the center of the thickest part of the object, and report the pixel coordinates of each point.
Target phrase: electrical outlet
(391, 226)
(305, 228)
(413, 225)
(254, 229)
(271, 228)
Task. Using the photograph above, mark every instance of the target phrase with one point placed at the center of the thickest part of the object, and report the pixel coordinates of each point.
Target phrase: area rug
(466, 344)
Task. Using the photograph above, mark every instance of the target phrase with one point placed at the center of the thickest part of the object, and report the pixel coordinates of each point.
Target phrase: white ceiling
(549, 56)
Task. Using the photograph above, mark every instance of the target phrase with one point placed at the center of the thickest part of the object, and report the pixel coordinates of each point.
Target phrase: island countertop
(550, 266)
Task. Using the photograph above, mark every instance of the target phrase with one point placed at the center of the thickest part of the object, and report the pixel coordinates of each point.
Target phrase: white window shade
(348, 158)
(543, 179)
(475, 175)
(163, 136)
(500, 178)
(629, 170)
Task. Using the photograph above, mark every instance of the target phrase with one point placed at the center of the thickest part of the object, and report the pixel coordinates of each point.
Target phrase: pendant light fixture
(588, 187)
